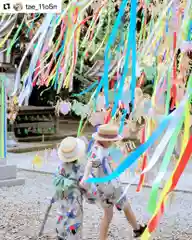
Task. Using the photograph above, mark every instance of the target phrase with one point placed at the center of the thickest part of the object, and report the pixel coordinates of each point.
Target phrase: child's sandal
(138, 232)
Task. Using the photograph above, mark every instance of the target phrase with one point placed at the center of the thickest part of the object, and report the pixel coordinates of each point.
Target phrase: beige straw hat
(107, 132)
(71, 149)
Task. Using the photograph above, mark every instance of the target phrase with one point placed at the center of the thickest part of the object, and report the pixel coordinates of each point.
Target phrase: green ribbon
(166, 161)
(79, 128)
(168, 96)
(3, 118)
(141, 30)
(15, 38)
(164, 166)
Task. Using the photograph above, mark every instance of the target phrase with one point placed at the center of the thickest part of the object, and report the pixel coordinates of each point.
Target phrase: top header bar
(30, 6)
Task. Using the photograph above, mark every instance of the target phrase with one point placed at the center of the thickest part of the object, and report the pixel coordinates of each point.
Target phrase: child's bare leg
(130, 216)
(108, 215)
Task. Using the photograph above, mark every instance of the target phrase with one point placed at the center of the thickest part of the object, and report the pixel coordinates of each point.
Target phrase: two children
(70, 183)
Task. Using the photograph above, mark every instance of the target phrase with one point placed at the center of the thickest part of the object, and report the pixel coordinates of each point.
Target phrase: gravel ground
(23, 207)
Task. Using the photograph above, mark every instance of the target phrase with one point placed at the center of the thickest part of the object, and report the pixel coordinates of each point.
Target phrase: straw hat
(71, 149)
(107, 132)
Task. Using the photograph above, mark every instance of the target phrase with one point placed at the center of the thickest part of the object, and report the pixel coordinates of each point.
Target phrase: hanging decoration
(37, 161)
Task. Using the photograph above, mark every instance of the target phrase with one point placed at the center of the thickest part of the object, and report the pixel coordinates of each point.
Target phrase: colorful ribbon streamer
(169, 187)
(131, 159)
(91, 87)
(112, 37)
(163, 168)
(144, 163)
(131, 45)
(3, 119)
(141, 149)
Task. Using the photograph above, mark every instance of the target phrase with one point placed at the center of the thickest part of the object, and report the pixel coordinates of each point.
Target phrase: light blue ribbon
(112, 37)
(44, 31)
(131, 44)
(134, 55)
(131, 159)
(59, 63)
(86, 90)
(122, 121)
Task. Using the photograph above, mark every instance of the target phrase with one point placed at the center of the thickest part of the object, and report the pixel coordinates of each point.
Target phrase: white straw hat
(107, 132)
(71, 149)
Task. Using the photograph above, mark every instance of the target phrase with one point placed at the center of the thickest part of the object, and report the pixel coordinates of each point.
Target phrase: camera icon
(18, 7)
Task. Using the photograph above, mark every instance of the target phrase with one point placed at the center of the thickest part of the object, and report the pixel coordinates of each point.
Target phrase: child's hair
(73, 162)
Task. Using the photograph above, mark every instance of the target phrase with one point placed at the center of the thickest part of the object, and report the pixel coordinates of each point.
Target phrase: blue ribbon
(104, 162)
(157, 46)
(167, 26)
(92, 140)
(131, 44)
(122, 121)
(45, 30)
(86, 90)
(134, 53)
(58, 52)
(121, 44)
(59, 65)
(131, 159)
(112, 37)
(90, 145)
(190, 31)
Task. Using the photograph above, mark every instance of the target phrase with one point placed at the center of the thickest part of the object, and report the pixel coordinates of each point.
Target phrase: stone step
(7, 172)
(12, 182)
(32, 147)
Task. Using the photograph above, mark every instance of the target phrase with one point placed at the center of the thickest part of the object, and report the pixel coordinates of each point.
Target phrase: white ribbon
(162, 145)
(40, 31)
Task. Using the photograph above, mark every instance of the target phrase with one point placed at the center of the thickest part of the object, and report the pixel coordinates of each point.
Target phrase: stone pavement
(24, 161)
(23, 207)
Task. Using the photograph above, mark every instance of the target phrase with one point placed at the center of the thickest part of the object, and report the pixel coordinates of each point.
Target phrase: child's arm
(88, 169)
(91, 189)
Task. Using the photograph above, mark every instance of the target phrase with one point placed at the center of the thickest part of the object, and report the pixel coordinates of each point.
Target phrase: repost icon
(6, 6)
(28, 6)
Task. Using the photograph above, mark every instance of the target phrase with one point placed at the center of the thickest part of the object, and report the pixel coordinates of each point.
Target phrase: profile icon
(18, 7)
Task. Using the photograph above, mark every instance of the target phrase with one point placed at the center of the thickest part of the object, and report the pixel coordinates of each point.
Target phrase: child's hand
(82, 183)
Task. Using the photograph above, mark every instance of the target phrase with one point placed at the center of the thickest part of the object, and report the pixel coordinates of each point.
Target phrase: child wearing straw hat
(109, 193)
(68, 192)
